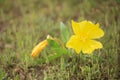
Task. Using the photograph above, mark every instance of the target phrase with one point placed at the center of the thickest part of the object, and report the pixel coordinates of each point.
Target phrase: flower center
(83, 37)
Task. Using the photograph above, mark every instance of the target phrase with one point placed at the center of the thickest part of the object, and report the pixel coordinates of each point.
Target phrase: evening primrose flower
(85, 33)
(37, 49)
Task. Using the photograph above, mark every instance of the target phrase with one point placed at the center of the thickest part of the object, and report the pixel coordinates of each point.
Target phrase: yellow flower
(39, 48)
(85, 33)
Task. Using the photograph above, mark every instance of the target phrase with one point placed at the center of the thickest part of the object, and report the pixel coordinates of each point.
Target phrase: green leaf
(58, 53)
(57, 49)
(64, 32)
(53, 43)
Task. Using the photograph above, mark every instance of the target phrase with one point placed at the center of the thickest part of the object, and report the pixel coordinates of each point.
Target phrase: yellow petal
(90, 46)
(39, 48)
(78, 27)
(74, 43)
(93, 31)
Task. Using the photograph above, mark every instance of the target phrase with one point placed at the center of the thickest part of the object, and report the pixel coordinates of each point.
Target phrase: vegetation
(24, 23)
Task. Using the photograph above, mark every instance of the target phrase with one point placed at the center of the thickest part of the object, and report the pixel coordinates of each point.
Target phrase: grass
(23, 24)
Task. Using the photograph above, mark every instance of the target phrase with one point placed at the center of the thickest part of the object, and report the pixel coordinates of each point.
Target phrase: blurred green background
(24, 23)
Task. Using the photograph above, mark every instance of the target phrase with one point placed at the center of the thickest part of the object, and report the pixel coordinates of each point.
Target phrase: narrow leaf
(64, 32)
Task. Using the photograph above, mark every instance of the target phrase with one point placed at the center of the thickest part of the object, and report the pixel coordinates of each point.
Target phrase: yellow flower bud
(37, 49)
